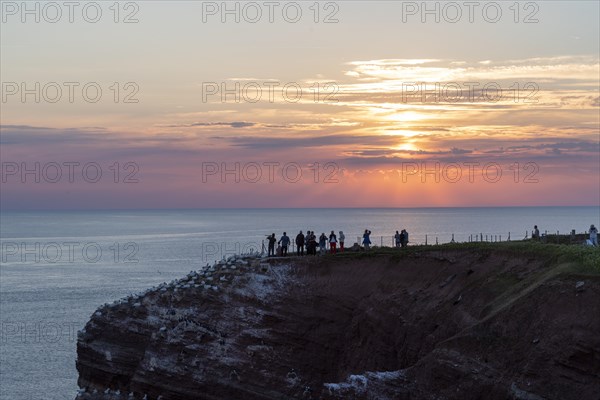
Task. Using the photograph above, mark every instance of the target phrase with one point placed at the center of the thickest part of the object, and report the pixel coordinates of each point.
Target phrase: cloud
(259, 142)
(35, 135)
(236, 124)
(553, 70)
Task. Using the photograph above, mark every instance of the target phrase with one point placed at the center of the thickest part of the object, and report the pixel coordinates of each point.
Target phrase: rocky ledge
(456, 323)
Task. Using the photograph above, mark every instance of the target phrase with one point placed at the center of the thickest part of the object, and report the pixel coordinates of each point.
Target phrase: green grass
(582, 259)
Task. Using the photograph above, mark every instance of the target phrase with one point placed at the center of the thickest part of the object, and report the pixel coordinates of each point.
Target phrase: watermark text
(68, 252)
(52, 12)
(68, 171)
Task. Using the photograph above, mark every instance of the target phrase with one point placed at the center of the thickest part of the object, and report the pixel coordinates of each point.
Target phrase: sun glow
(407, 116)
(407, 146)
(401, 132)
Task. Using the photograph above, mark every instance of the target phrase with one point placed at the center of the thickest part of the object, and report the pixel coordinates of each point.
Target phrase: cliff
(448, 322)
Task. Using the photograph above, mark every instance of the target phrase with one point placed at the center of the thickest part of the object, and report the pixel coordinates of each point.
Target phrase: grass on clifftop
(585, 259)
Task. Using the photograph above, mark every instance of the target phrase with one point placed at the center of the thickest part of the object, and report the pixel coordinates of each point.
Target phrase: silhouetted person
(332, 242)
(313, 243)
(308, 242)
(403, 238)
(536, 233)
(284, 242)
(342, 238)
(367, 239)
(322, 243)
(272, 242)
(398, 239)
(594, 235)
(300, 244)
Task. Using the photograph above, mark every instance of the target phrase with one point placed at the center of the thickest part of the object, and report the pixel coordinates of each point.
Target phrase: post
(436, 241)
(425, 240)
(452, 241)
(481, 237)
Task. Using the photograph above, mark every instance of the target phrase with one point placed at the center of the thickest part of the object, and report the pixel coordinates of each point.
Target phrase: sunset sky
(494, 105)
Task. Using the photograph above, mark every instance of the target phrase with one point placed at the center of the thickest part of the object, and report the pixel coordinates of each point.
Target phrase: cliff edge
(501, 321)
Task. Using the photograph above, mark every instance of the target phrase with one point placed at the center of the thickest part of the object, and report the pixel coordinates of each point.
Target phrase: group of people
(308, 242)
(311, 243)
(401, 238)
(593, 240)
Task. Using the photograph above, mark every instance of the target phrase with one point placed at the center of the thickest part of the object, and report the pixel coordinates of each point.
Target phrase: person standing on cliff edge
(272, 241)
(300, 243)
(342, 237)
(594, 235)
(332, 242)
(404, 235)
(322, 243)
(311, 243)
(536, 233)
(284, 242)
(367, 239)
(398, 239)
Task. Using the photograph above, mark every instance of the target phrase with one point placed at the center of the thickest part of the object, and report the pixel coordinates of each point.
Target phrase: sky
(191, 104)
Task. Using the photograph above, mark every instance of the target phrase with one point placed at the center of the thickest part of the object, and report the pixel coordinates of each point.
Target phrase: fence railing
(216, 251)
(444, 238)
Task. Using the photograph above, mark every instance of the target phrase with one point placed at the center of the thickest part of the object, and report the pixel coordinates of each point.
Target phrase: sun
(406, 146)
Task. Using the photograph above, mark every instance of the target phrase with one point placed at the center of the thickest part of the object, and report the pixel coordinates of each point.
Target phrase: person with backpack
(300, 244)
(332, 242)
(284, 242)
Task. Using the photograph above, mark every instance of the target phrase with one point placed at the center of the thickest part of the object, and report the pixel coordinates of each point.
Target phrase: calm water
(57, 267)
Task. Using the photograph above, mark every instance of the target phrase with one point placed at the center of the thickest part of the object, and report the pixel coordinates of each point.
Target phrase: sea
(57, 267)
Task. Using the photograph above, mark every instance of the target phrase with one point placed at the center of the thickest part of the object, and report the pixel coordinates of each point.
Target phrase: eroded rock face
(431, 325)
